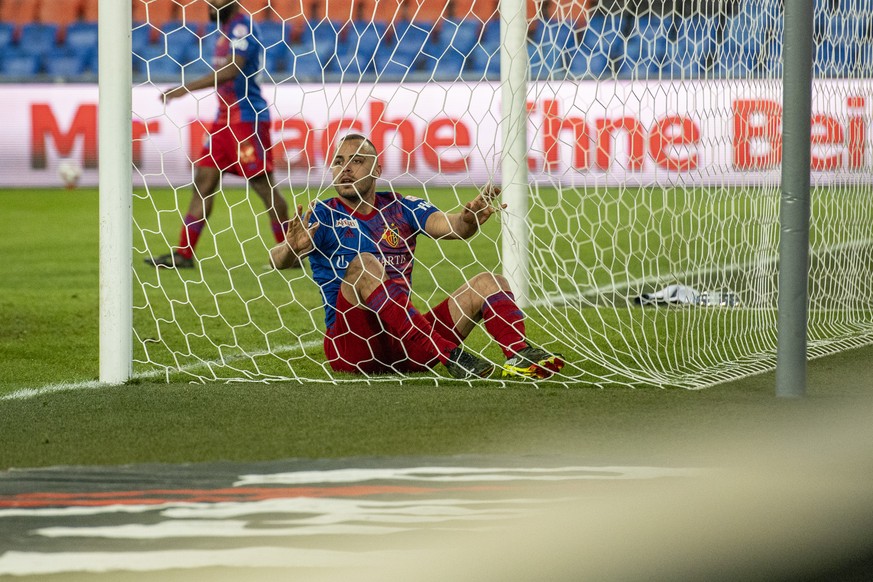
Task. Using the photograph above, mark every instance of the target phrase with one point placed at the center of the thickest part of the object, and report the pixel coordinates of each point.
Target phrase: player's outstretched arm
(298, 240)
(464, 224)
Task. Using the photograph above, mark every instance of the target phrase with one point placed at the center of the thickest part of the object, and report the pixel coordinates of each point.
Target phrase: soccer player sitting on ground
(360, 245)
(239, 139)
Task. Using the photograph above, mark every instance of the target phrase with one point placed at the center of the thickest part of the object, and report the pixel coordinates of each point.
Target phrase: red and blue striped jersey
(240, 98)
(388, 232)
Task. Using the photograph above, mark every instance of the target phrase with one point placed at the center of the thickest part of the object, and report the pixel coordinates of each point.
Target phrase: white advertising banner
(585, 133)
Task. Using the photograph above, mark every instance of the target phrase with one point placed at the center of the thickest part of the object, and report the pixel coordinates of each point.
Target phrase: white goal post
(639, 147)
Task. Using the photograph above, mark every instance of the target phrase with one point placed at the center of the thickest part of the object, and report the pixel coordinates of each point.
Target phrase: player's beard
(358, 189)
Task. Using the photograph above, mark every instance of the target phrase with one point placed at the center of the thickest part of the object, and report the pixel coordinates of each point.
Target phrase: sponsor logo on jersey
(346, 223)
(392, 235)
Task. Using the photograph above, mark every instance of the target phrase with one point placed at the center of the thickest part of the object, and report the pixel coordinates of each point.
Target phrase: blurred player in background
(239, 139)
(360, 246)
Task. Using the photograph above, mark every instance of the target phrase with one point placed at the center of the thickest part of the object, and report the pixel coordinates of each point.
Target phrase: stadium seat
(60, 12)
(603, 35)
(18, 64)
(183, 43)
(696, 41)
(359, 41)
(65, 63)
(319, 36)
(586, 65)
(19, 12)
(81, 37)
(195, 13)
(448, 67)
(460, 35)
(163, 69)
(155, 12)
(200, 56)
(484, 61)
(834, 58)
(306, 67)
(146, 54)
(37, 38)
(490, 34)
(411, 51)
(7, 34)
(548, 41)
(141, 36)
(89, 10)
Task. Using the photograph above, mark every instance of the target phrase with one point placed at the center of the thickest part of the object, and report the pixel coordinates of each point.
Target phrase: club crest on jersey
(392, 235)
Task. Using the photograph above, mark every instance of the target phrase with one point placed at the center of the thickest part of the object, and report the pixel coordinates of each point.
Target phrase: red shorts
(240, 148)
(358, 341)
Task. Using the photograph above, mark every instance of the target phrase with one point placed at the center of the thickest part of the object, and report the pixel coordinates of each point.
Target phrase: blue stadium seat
(7, 34)
(319, 36)
(410, 50)
(65, 63)
(484, 61)
(37, 38)
(548, 42)
(834, 58)
(584, 64)
(145, 55)
(696, 43)
(141, 36)
(448, 67)
(306, 67)
(17, 64)
(490, 34)
(603, 36)
(545, 61)
(164, 69)
(461, 35)
(182, 42)
(271, 32)
(360, 40)
(81, 37)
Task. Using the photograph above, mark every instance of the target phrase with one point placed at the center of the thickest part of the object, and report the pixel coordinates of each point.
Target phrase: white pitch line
(25, 393)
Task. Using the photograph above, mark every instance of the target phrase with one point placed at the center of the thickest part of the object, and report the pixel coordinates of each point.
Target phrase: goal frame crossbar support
(116, 195)
(794, 211)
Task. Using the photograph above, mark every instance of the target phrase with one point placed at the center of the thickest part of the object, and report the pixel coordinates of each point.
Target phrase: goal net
(646, 244)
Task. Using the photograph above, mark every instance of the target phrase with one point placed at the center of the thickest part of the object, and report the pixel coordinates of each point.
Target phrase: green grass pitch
(48, 338)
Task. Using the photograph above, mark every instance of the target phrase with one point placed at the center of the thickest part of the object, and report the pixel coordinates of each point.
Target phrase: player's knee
(486, 284)
(365, 272)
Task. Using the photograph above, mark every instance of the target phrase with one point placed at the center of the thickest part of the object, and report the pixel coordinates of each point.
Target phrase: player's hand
(480, 208)
(299, 235)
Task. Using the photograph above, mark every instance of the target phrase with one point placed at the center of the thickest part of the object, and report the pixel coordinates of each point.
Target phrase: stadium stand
(443, 40)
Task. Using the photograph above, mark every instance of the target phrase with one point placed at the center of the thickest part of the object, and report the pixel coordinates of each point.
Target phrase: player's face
(355, 168)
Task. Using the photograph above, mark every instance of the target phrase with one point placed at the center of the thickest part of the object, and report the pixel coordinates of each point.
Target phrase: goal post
(115, 199)
(513, 159)
(640, 151)
(795, 207)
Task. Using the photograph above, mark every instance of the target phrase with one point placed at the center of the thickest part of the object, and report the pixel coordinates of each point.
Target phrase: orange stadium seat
(89, 10)
(60, 12)
(156, 12)
(19, 11)
(259, 9)
(194, 11)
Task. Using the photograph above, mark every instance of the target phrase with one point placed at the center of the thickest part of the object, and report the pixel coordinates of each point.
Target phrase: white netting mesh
(654, 156)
